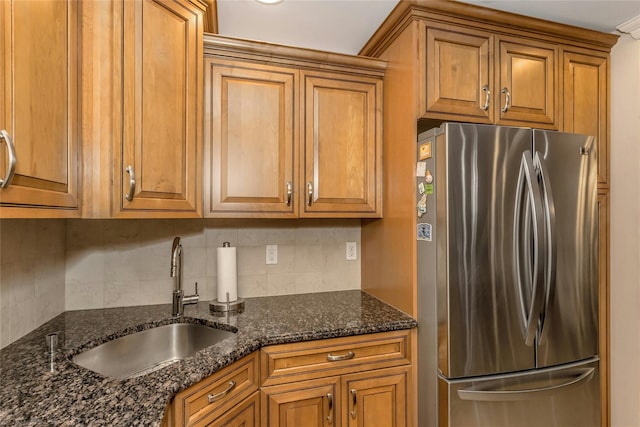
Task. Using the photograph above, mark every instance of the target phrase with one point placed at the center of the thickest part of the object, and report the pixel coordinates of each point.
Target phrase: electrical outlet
(352, 251)
(272, 254)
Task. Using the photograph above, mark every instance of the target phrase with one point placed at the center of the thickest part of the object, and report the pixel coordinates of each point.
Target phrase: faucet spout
(179, 299)
(176, 263)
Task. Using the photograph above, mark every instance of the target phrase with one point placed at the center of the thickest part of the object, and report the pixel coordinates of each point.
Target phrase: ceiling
(345, 25)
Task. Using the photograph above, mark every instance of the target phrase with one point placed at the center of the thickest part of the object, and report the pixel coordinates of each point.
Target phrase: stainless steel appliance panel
(567, 396)
(568, 328)
(483, 328)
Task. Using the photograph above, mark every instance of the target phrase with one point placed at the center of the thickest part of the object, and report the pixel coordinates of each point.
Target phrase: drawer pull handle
(223, 393)
(330, 416)
(337, 357)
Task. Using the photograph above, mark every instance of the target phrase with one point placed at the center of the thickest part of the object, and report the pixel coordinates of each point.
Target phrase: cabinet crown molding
(274, 53)
(632, 27)
(477, 16)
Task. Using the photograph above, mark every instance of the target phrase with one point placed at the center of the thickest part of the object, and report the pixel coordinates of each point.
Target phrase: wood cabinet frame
(325, 379)
(306, 126)
(388, 246)
(45, 128)
(117, 133)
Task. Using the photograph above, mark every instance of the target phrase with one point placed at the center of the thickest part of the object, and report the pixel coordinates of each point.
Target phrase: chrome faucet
(179, 298)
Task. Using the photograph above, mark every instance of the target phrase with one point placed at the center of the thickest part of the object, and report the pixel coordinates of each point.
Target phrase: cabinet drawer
(316, 359)
(205, 401)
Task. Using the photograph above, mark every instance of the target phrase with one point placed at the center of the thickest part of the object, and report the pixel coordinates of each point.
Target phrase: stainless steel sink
(149, 350)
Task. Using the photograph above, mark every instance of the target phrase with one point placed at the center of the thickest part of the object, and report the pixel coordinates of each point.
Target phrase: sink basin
(149, 350)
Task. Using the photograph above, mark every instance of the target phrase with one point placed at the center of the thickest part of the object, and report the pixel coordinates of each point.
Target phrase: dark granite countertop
(37, 391)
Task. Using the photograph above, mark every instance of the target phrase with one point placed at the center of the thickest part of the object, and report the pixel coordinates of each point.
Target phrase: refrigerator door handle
(528, 177)
(507, 393)
(550, 255)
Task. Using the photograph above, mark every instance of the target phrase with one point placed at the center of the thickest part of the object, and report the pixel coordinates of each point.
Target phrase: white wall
(625, 233)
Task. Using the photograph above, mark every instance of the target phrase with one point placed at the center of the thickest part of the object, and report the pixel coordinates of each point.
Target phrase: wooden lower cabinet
(245, 414)
(314, 403)
(376, 398)
(353, 381)
(356, 381)
(223, 399)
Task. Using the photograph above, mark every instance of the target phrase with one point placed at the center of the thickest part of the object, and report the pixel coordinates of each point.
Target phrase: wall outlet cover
(272, 254)
(352, 251)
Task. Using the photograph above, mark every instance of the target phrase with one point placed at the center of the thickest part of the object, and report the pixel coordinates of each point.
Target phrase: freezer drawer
(563, 396)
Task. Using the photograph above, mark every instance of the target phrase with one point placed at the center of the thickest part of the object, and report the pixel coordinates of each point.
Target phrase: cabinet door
(250, 140)
(245, 414)
(376, 398)
(527, 83)
(39, 108)
(586, 80)
(342, 145)
(161, 110)
(459, 69)
(314, 403)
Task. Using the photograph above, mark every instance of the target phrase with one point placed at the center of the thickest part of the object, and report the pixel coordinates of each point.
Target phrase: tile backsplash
(115, 263)
(32, 275)
(49, 266)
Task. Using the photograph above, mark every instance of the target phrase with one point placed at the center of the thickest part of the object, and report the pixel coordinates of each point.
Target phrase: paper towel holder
(217, 306)
(236, 306)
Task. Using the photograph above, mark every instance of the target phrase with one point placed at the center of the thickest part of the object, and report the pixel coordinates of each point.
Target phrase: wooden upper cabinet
(251, 140)
(585, 106)
(527, 83)
(476, 76)
(342, 145)
(459, 67)
(39, 108)
(157, 168)
(290, 132)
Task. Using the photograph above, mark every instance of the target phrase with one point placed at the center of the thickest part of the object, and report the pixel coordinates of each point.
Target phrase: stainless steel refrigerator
(507, 278)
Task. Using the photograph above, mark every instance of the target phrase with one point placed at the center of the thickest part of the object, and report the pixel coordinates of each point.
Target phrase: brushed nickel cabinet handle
(487, 97)
(132, 183)
(337, 357)
(213, 397)
(11, 170)
(289, 193)
(309, 193)
(507, 101)
(354, 402)
(330, 416)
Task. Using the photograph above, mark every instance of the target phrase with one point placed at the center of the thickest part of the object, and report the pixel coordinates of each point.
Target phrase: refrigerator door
(480, 309)
(568, 326)
(566, 396)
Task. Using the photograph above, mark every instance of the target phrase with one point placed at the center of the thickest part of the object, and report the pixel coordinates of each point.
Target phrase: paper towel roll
(227, 274)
